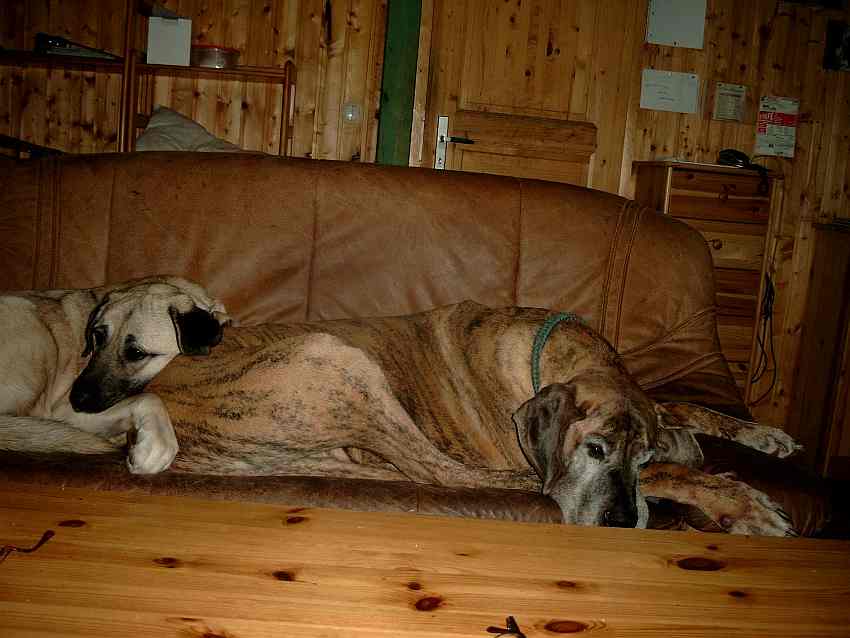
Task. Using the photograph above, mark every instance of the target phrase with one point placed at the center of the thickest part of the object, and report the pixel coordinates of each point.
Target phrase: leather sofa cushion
(292, 240)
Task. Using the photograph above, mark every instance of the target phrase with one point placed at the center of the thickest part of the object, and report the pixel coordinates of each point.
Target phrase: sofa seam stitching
(518, 259)
(56, 228)
(624, 271)
(313, 247)
(609, 271)
(38, 227)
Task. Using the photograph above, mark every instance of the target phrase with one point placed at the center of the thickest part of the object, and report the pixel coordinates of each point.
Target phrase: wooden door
(512, 76)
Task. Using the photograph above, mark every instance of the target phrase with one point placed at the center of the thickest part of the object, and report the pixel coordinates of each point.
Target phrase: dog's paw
(153, 444)
(762, 516)
(770, 440)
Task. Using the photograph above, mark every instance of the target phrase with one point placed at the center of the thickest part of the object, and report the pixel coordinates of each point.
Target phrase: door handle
(444, 139)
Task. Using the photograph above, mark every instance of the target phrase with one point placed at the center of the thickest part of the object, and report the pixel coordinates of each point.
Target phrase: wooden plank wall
(772, 47)
(338, 58)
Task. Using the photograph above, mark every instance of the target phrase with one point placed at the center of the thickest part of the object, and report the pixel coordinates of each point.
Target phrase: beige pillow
(168, 130)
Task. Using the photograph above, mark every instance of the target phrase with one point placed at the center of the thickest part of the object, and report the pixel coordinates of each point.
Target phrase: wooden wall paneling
(838, 448)
(11, 82)
(33, 105)
(359, 23)
(374, 75)
(358, 37)
(88, 112)
(268, 19)
(310, 43)
(420, 94)
(830, 176)
(286, 43)
(837, 440)
(333, 62)
(53, 133)
(614, 65)
(12, 21)
(107, 104)
(825, 323)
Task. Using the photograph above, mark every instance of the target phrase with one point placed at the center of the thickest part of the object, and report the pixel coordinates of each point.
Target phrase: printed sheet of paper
(729, 101)
(669, 91)
(776, 130)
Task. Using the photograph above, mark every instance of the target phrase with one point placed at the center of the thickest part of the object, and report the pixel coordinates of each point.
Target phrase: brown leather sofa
(282, 240)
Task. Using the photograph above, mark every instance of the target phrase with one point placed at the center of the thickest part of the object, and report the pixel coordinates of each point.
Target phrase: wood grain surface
(122, 565)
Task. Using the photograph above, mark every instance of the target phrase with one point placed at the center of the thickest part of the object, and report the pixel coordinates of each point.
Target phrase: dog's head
(589, 454)
(136, 330)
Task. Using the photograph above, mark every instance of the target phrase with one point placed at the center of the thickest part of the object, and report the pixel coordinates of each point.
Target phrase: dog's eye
(99, 336)
(596, 451)
(134, 353)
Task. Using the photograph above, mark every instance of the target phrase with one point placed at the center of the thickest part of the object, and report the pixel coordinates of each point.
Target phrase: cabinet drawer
(735, 251)
(744, 185)
(736, 246)
(736, 282)
(736, 305)
(718, 197)
(736, 292)
(736, 337)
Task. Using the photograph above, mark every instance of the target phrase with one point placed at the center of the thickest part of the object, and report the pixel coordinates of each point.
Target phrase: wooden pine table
(129, 565)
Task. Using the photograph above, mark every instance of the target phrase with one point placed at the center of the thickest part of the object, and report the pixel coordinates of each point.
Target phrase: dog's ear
(541, 424)
(90, 324)
(197, 330)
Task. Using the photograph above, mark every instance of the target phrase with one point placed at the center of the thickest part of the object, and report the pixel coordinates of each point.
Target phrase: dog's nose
(620, 518)
(81, 399)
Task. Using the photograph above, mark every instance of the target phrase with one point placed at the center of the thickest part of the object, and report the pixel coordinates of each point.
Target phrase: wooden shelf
(248, 73)
(29, 59)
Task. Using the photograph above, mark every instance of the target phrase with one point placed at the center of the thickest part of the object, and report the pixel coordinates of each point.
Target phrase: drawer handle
(717, 244)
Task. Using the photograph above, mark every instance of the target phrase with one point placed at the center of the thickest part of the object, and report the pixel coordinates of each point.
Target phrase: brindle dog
(431, 397)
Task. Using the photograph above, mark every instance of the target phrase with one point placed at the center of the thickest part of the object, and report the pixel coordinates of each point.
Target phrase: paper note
(729, 100)
(669, 91)
(776, 130)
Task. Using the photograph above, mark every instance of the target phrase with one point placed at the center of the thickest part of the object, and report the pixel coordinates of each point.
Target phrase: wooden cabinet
(738, 212)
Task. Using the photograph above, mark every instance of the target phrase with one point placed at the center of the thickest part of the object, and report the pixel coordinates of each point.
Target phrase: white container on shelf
(169, 41)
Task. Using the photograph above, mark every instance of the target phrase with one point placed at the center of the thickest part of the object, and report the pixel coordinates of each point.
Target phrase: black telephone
(733, 157)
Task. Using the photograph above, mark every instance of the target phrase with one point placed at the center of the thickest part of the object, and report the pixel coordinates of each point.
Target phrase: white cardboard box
(169, 41)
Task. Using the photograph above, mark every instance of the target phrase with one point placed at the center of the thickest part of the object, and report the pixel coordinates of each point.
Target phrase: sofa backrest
(292, 240)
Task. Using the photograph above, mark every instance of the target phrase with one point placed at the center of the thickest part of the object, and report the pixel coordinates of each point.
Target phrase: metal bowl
(214, 57)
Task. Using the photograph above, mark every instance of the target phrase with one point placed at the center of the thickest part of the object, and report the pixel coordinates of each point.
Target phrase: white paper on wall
(669, 91)
(676, 23)
(729, 101)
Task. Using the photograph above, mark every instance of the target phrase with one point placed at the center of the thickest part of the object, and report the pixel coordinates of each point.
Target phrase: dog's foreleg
(763, 438)
(735, 506)
(145, 421)
(36, 435)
